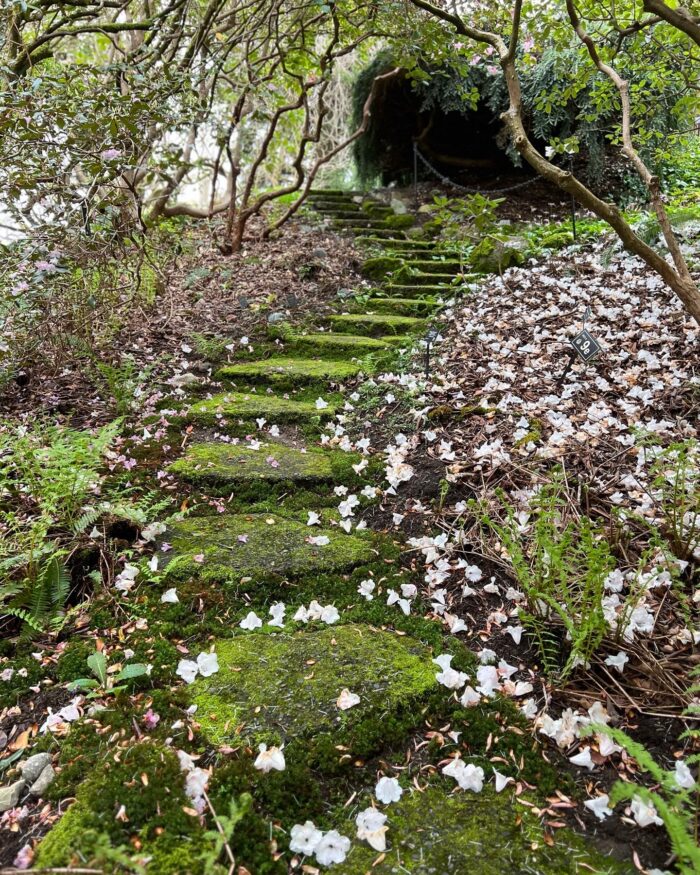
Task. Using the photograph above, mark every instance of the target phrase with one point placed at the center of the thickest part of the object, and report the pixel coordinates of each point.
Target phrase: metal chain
(445, 180)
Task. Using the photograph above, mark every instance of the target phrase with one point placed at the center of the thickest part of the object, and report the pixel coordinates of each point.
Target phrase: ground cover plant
(324, 542)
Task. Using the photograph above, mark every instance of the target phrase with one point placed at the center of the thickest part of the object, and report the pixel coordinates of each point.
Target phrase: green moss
(283, 688)
(153, 807)
(269, 549)
(226, 464)
(329, 343)
(28, 672)
(377, 268)
(433, 833)
(402, 306)
(376, 324)
(288, 371)
(411, 290)
(399, 221)
(236, 406)
(492, 255)
(439, 266)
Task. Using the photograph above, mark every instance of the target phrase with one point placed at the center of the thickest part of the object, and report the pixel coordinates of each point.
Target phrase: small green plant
(104, 682)
(675, 802)
(675, 472)
(561, 566)
(121, 383)
(218, 839)
(472, 217)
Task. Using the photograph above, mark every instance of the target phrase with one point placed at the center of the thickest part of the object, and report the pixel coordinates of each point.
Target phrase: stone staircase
(278, 539)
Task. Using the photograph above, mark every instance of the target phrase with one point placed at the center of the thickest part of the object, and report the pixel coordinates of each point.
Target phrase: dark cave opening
(458, 145)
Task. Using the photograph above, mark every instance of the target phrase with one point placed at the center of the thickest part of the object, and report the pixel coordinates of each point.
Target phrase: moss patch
(154, 808)
(284, 688)
(376, 324)
(403, 306)
(433, 833)
(377, 268)
(291, 371)
(260, 546)
(238, 405)
(330, 343)
(224, 463)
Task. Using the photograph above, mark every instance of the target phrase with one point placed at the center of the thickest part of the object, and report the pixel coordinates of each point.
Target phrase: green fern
(675, 805)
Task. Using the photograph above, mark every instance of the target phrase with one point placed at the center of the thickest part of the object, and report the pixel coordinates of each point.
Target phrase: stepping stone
(332, 193)
(290, 371)
(436, 833)
(284, 687)
(328, 343)
(374, 325)
(441, 266)
(376, 232)
(403, 306)
(227, 464)
(398, 244)
(275, 546)
(424, 279)
(400, 290)
(234, 406)
(336, 205)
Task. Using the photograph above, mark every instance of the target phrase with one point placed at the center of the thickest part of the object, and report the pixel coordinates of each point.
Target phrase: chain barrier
(445, 180)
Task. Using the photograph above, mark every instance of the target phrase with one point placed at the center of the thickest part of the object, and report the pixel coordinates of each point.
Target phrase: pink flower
(493, 69)
(24, 858)
(272, 462)
(198, 557)
(109, 154)
(45, 266)
(151, 719)
(243, 539)
(528, 44)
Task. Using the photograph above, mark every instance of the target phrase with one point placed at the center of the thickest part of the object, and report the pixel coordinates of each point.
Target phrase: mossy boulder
(257, 546)
(273, 462)
(284, 688)
(148, 782)
(380, 267)
(556, 240)
(233, 406)
(288, 371)
(376, 324)
(436, 833)
(493, 255)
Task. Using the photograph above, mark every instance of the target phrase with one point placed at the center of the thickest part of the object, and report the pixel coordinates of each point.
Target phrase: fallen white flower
(251, 621)
(333, 848)
(469, 777)
(267, 760)
(169, 597)
(304, 838)
(388, 790)
(347, 700)
(644, 813)
(371, 828)
(599, 806)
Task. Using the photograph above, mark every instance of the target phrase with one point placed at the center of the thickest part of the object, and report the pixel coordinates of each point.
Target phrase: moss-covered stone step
(283, 688)
(229, 464)
(435, 833)
(235, 406)
(374, 325)
(348, 206)
(378, 232)
(402, 306)
(423, 279)
(408, 290)
(328, 343)
(332, 194)
(288, 371)
(397, 243)
(444, 266)
(228, 547)
(358, 221)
